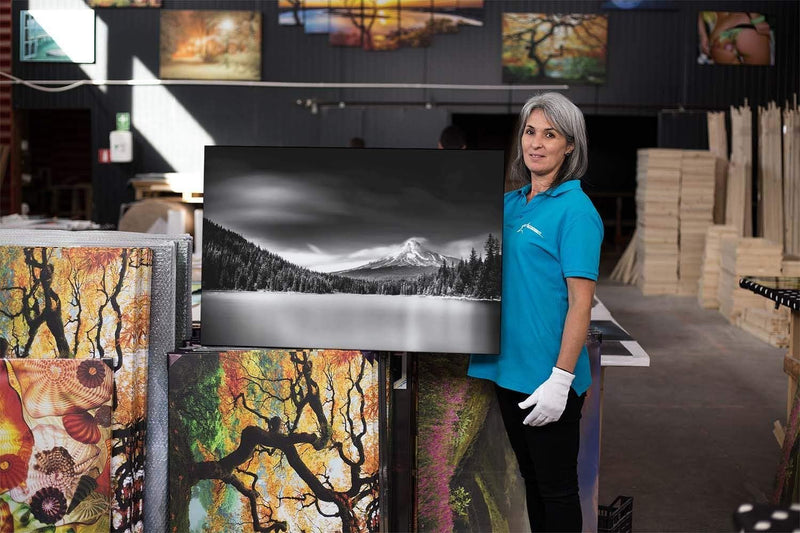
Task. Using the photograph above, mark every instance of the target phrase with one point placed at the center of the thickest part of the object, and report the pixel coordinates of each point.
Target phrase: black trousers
(548, 460)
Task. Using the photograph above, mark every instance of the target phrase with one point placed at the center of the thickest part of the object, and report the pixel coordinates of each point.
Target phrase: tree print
(274, 441)
(539, 46)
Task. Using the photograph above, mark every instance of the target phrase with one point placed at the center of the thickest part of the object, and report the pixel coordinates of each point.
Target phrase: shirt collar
(561, 189)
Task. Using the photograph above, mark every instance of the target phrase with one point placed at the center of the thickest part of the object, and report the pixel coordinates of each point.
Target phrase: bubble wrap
(162, 340)
(183, 276)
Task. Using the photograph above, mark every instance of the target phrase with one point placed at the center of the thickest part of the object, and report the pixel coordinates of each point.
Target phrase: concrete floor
(689, 438)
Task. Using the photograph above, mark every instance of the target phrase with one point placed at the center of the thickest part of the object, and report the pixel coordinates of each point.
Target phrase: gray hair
(568, 120)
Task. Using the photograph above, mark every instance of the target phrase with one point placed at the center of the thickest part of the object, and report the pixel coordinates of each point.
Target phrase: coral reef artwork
(274, 440)
(84, 304)
(55, 444)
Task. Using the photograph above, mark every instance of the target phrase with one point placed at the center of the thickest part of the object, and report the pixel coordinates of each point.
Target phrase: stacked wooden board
(657, 195)
(791, 178)
(745, 256)
(791, 266)
(770, 174)
(718, 145)
(738, 205)
(708, 284)
(696, 214)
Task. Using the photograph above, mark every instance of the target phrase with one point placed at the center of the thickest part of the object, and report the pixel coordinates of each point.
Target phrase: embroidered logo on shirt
(533, 229)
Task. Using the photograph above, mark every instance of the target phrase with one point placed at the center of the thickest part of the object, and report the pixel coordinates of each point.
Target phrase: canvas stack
(745, 256)
(696, 214)
(708, 284)
(657, 193)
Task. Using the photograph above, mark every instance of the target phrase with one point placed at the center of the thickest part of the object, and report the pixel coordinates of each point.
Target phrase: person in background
(551, 253)
(452, 138)
(357, 142)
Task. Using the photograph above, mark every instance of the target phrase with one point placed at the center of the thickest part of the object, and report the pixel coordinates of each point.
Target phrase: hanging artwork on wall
(55, 455)
(375, 249)
(381, 24)
(56, 35)
(541, 47)
(274, 441)
(291, 12)
(124, 3)
(85, 304)
(210, 45)
(735, 38)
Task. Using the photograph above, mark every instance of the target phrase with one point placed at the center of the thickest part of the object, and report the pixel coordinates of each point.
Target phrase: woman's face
(543, 148)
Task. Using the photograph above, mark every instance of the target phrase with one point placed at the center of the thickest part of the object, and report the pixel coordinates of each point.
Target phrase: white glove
(550, 399)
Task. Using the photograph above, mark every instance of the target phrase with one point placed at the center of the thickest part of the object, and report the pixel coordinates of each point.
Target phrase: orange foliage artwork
(55, 442)
(274, 440)
(78, 304)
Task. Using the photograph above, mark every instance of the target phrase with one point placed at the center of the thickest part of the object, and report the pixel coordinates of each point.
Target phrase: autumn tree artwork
(274, 440)
(124, 3)
(55, 450)
(210, 45)
(87, 304)
(540, 47)
(381, 24)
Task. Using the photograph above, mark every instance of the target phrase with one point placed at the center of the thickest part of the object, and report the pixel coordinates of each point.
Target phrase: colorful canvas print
(55, 454)
(124, 3)
(381, 24)
(88, 303)
(378, 249)
(274, 441)
(210, 45)
(467, 473)
(735, 38)
(291, 12)
(56, 35)
(542, 47)
(317, 17)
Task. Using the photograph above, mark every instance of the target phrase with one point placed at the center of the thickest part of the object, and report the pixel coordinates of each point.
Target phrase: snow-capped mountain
(413, 253)
(412, 259)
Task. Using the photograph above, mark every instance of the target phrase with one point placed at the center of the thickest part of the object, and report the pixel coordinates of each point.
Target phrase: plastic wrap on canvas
(78, 303)
(150, 476)
(292, 434)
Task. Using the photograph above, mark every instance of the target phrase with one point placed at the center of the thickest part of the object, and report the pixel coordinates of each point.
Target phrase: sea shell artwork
(65, 480)
(50, 387)
(82, 427)
(16, 439)
(87, 304)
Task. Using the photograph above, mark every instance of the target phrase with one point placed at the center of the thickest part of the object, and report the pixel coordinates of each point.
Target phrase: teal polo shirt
(555, 236)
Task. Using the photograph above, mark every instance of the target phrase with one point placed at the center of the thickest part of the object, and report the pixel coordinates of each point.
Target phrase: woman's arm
(580, 295)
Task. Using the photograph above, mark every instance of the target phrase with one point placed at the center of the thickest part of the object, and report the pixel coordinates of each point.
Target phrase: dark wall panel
(651, 67)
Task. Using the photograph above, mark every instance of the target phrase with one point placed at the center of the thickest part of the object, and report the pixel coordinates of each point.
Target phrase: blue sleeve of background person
(580, 246)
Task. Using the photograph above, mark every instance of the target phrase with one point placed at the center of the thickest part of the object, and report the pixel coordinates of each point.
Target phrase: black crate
(617, 517)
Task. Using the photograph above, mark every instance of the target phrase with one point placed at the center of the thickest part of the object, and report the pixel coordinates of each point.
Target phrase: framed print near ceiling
(210, 45)
(373, 249)
(735, 38)
(56, 35)
(558, 48)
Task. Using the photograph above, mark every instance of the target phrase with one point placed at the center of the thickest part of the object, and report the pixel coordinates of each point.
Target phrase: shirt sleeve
(580, 246)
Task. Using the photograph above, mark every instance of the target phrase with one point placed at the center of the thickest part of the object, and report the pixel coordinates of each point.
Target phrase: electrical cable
(41, 85)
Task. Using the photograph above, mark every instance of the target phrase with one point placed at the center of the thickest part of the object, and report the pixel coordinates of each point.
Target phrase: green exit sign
(123, 121)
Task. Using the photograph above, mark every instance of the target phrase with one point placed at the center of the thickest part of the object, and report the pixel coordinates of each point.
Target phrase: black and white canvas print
(343, 248)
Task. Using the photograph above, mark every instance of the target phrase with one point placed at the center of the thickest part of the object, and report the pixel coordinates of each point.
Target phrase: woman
(551, 250)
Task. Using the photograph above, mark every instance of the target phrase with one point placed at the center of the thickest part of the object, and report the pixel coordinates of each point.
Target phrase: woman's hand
(550, 399)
